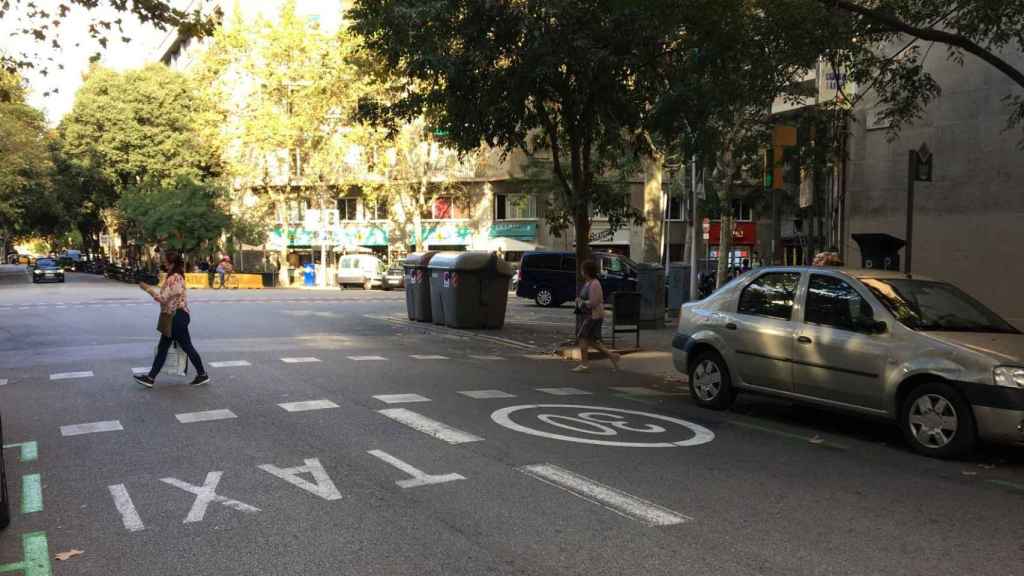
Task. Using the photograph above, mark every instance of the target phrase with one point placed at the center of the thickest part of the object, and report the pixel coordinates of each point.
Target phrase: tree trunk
(581, 222)
(417, 216)
(724, 239)
(282, 275)
(654, 212)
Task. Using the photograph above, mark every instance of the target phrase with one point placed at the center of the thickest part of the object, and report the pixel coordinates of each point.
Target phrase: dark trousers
(179, 334)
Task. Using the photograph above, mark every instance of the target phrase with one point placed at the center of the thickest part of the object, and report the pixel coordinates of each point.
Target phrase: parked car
(394, 277)
(364, 270)
(47, 270)
(908, 349)
(549, 278)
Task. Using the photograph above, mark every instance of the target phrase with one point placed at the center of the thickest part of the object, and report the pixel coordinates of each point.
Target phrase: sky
(142, 49)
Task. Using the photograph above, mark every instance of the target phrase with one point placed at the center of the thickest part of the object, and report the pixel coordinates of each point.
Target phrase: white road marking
(123, 502)
(304, 360)
(611, 498)
(208, 415)
(486, 394)
(71, 375)
(642, 391)
(564, 391)
(140, 370)
(230, 364)
(3, 381)
(61, 306)
(366, 358)
(428, 357)
(419, 477)
(486, 357)
(307, 405)
(206, 494)
(541, 357)
(321, 486)
(91, 428)
(401, 398)
(429, 426)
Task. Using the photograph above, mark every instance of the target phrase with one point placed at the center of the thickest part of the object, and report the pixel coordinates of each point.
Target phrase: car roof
(851, 272)
(560, 252)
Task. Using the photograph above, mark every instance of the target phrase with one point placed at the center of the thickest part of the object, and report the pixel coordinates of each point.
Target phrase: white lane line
(140, 370)
(367, 358)
(429, 426)
(564, 391)
(230, 364)
(486, 357)
(3, 381)
(611, 498)
(205, 416)
(419, 477)
(642, 391)
(123, 502)
(303, 360)
(91, 428)
(307, 405)
(71, 375)
(486, 394)
(60, 306)
(428, 357)
(401, 398)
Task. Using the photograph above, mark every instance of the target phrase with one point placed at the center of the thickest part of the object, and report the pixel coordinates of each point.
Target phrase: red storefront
(744, 243)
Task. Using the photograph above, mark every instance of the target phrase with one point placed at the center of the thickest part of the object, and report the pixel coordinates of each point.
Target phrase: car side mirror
(879, 327)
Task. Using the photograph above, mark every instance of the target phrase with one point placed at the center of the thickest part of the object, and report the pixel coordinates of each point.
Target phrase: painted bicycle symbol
(603, 426)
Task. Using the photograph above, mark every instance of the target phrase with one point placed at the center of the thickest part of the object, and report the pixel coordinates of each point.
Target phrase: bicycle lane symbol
(598, 425)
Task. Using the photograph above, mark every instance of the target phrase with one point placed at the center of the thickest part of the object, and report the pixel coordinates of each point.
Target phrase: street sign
(706, 226)
(923, 172)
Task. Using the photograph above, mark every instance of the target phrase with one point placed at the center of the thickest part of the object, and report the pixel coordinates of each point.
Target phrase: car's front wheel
(545, 298)
(710, 382)
(938, 422)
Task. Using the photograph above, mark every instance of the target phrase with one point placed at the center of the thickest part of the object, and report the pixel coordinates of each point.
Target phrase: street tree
(557, 74)
(182, 213)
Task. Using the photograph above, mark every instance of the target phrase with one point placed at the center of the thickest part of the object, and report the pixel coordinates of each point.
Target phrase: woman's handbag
(163, 325)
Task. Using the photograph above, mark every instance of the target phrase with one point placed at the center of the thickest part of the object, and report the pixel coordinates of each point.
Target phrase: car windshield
(935, 306)
(45, 263)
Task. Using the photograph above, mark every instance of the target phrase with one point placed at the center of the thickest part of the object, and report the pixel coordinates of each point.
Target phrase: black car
(394, 277)
(47, 270)
(549, 278)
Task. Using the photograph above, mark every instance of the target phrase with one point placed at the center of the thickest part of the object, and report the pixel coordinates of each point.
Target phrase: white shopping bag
(177, 362)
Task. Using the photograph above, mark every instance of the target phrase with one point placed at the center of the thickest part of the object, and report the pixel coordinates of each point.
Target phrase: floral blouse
(172, 296)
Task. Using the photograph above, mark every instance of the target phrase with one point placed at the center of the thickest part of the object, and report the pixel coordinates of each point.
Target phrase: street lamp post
(919, 169)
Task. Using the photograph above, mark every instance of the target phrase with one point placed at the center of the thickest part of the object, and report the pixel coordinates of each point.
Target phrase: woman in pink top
(590, 303)
(173, 300)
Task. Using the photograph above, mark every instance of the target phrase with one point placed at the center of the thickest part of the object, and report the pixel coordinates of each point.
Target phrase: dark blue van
(549, 278)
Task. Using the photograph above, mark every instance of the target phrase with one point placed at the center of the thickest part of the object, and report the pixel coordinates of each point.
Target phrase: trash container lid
(418, 259)
(471, 262)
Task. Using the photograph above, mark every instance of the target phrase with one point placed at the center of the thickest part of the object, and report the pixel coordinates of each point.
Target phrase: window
(675, 209)
(348, 209)
(926, 305)
(770, 295)
(542, 261)
(445, 208)
(378, 210)
(515, 207)
(832, 302)
(297, 211)
(741, 211)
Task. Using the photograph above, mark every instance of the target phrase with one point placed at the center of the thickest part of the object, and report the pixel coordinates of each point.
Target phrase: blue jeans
(179, 334)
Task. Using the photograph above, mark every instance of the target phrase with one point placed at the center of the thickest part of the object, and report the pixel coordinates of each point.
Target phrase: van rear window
(543, 261)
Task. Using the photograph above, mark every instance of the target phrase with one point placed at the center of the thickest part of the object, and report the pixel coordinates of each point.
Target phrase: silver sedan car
(915, 351)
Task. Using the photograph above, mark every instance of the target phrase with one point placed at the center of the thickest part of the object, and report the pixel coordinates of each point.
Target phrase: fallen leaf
(62, 556)
(816, 440)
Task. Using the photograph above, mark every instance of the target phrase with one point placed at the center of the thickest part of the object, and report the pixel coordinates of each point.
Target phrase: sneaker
(581, 368)
(200, 380)
(144, 380)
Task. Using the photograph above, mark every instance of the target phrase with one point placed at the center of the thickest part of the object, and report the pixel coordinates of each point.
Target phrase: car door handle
(803, 340)
(730, 326)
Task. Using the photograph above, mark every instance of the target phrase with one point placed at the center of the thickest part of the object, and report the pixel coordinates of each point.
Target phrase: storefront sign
(361, 236)
(518, 230)
(346, 236)
(445, 233)
(744, 233)
(602, 234)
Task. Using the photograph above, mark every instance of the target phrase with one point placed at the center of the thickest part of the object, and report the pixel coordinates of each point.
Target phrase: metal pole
(911, 176)
(693, 231)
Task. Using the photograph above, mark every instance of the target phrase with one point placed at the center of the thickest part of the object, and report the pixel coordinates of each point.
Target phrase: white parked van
(364, 270)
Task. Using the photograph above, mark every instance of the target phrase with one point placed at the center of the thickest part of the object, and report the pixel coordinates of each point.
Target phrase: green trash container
(417, 286)
(440, 269)
(473, 288)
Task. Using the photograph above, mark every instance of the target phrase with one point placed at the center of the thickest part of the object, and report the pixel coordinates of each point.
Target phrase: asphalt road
(337, 439)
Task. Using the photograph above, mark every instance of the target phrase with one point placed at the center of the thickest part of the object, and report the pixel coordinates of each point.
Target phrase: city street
(338, 438)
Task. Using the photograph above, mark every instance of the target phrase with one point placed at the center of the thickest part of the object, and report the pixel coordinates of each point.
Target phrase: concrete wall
(968, 222)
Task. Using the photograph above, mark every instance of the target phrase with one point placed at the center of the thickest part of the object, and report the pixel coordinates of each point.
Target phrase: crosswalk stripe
(486, 357)
(564, 391)
(91, 428)
(429, 426)
(613, 499)
(366, 358)
(307, 405)
(303, 360)
(71, 375)
(205, 416)
(3, 381)
(642, 391)
(140, 370)
(486, 394)
(229, 364)
(401, 398)
(429, 357)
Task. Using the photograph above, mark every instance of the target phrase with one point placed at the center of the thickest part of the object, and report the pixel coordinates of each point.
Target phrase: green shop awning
(517, 230)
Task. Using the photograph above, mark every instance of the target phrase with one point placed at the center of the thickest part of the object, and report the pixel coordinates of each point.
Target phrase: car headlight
(1010, 376)
(37, 271)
